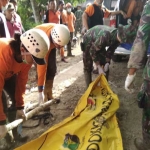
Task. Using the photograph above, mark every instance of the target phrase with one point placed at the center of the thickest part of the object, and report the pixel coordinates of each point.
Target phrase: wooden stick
(30, 114)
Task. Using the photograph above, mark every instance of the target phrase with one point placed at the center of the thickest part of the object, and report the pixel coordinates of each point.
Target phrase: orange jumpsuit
(9, 67)
(42, 69)
(63, 15)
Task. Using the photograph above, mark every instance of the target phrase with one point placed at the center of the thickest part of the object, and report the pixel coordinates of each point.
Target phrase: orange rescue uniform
(42, 69)
(54, 17)
(90, 11)
(9, 67)
(70, 20)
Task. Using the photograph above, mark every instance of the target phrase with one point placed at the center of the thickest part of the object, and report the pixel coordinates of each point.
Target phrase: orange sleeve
(21, 81)
(131, 9)
(89, 10)
(106, 13)
(41, 71)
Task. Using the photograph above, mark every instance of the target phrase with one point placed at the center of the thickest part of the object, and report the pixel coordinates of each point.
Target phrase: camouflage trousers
(78, 27)
(88, 60)
(146, 111)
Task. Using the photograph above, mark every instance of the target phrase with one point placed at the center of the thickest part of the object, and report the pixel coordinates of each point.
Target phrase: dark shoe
(140, 145)
(95, 71)
(64, 60)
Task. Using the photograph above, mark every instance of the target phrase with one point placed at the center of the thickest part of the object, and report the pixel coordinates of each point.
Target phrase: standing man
(133, 10)
(78, 23)
(136, 61)
(63, 15)
(3, 25)
(52, 15)
(95, 14)
(70, 20)
(16, 17)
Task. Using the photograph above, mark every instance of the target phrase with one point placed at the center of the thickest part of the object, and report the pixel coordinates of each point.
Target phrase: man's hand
(20, 114)
(106, 67)
(128, 82)
(3, 131)
(123, 14)
(100, 70)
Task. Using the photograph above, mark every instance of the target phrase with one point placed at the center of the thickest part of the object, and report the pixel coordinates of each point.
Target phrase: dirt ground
(129, 115)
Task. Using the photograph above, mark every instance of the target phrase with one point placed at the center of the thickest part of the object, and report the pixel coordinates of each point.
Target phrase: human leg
(10, 111)
(88, 64)
(51, 71)
(144, 143)
(69, 53)
(62, 55)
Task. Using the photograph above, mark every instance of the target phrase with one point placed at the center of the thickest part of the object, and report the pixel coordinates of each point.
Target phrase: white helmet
(60, 34)
(37, 43)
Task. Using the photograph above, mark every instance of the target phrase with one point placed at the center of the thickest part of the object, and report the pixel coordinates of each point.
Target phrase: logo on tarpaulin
(91, 102)
(71, 142)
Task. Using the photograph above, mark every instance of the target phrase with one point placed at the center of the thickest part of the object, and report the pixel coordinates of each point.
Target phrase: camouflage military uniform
(137, 57)
(78, 23)
(95, 42)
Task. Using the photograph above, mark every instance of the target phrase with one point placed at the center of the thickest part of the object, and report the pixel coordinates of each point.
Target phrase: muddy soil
(129, 115)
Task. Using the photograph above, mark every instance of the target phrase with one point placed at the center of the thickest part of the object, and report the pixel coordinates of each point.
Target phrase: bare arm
(85, 20)
(116, 12)
(132, 71)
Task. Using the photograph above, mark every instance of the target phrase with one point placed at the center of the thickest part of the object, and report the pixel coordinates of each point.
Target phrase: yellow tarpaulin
(92, 126)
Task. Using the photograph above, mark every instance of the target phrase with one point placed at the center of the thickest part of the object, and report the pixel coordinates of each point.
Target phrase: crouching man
(94, 45)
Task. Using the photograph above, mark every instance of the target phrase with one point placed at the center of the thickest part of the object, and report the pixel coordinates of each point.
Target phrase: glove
(106, 67)
(3, 131)
(100, 70)
(20, 114)
(128, 82)
(41, 98)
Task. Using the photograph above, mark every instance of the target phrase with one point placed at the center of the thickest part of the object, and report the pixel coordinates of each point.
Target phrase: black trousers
(51, 67)
(9, 93)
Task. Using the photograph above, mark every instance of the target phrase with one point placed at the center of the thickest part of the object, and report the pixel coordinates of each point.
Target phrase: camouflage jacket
(141, 43)
(98, 38)
(78, 15)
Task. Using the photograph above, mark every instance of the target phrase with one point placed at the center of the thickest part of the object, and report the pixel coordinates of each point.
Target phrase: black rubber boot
(69, 53)
(88, 78)
(141, 145)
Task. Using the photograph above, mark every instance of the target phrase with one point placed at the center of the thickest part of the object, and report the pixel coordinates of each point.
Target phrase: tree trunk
(35, 11)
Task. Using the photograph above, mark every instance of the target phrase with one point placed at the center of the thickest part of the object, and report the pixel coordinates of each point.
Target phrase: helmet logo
(37, 50)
